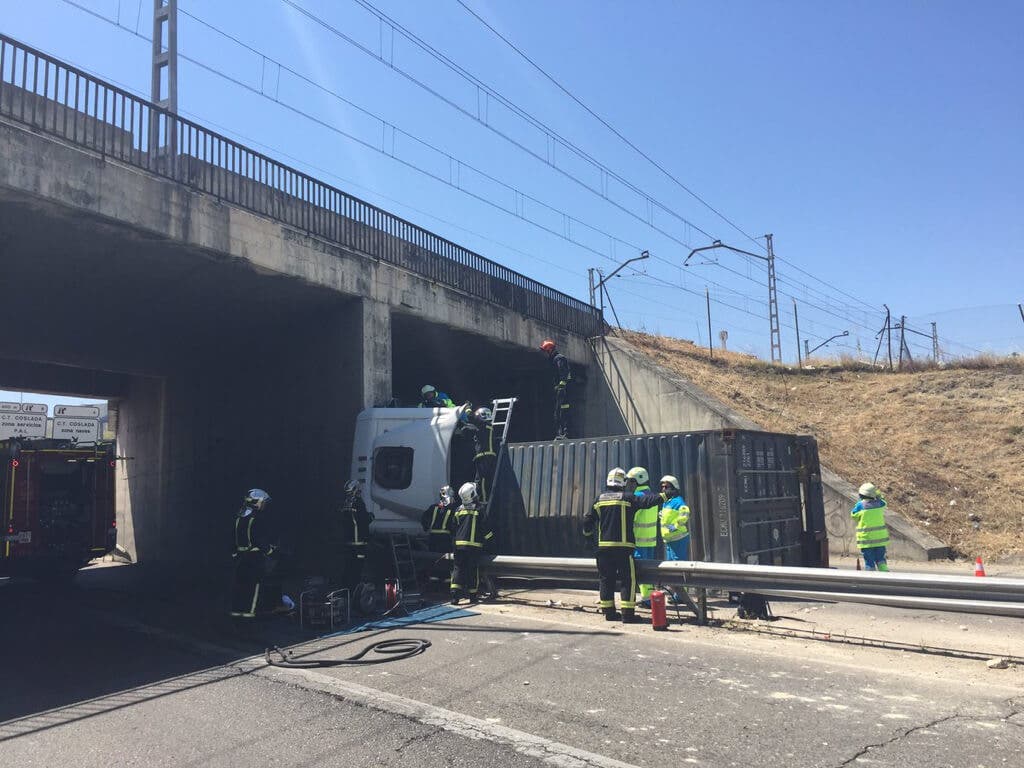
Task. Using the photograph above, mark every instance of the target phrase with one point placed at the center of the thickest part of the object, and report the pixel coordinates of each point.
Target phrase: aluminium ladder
(405, 569)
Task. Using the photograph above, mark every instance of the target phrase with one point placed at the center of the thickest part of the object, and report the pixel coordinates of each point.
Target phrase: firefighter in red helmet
(562, 378)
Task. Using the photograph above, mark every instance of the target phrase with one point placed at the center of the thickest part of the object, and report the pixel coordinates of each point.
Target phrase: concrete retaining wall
(651, 398)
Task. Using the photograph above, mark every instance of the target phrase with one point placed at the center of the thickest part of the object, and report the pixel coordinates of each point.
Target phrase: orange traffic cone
(979, 567)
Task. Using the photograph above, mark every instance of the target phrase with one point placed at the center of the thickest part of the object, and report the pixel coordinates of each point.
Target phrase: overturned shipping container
(755, 497)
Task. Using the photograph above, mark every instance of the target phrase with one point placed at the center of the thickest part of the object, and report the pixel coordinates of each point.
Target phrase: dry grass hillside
(946, 446)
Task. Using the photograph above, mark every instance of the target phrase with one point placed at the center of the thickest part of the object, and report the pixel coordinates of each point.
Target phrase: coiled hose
(390, 650)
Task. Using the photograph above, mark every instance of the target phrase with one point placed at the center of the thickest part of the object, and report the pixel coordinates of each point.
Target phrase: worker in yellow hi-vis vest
(645, 530)
(872, 533)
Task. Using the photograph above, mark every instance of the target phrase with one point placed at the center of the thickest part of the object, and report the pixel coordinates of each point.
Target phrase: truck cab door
(409, 464)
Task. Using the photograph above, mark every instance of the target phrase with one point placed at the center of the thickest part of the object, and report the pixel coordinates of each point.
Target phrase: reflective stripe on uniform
(871, 528)
(623, 541)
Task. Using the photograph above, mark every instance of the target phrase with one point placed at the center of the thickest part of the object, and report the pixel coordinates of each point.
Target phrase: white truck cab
(402, 457)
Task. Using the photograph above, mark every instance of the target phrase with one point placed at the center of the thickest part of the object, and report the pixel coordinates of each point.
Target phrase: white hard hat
(256, 499)
(427, 389)
(616, 478)
(468, 493)
(671, 480)
(868, 491)
(639, 474)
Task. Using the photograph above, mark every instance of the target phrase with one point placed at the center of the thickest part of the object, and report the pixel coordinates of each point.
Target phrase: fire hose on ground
(395, 649)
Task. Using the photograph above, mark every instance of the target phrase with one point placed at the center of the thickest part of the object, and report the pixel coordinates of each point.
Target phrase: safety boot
(629, 616)
(610, 614)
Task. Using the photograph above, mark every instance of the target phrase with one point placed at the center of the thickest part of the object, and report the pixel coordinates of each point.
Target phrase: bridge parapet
(53, 97)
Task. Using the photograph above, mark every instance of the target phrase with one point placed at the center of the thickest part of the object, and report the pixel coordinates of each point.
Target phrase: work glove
(671, 528)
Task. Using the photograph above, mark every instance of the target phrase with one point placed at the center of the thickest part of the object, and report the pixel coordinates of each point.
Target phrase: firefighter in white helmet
(256, 588)
(470, 530)
(354, 522)
(610, 520)
(478, 424)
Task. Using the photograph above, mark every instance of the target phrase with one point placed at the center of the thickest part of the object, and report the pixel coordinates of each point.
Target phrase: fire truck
(56, 505)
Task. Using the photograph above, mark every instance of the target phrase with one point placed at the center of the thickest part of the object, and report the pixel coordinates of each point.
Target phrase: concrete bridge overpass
(238, 313)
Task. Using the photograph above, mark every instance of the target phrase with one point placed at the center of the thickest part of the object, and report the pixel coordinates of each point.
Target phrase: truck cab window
(392, 468)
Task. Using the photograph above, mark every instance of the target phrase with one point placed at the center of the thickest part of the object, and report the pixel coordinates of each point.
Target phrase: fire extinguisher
(659, 621)
(392, 594)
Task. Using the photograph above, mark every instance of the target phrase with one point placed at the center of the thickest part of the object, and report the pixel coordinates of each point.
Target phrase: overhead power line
(566, 234)
(668, 174)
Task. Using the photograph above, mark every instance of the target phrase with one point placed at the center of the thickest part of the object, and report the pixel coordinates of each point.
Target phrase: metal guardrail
(56, 98)
(991, 595)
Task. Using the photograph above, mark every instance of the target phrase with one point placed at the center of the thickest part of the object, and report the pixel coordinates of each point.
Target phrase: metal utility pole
(888, 332)
(903, 342)
(590, 279)
(165, 58)
(1021, 308)
(775, 335)
(935, 343)
(796, 322)
(807, 349)
(773, 307)
(599, 287)
(707, 297)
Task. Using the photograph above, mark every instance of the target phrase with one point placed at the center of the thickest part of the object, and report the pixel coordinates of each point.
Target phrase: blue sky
(880, 142)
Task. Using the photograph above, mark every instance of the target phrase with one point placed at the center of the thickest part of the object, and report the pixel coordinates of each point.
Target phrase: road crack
(898, 737)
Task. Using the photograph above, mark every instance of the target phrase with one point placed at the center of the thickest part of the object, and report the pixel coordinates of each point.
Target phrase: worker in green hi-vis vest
(872, 533)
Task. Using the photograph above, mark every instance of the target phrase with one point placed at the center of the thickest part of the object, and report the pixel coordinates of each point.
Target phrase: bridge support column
(375, 325)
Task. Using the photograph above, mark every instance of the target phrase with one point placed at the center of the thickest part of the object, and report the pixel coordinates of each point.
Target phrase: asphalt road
(105, 674)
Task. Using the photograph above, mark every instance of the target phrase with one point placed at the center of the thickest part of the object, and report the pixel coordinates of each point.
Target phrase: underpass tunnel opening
(227, 378)
(471, 367)
(57, 469)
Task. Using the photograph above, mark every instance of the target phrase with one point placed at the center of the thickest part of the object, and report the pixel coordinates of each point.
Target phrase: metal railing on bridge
(56, 98)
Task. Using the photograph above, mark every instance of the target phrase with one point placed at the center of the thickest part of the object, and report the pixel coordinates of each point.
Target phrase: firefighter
(872, 532)
(434, 521)
(563, 375)
(355, 534)
(469, 530)
(610, 520)
(645, 530)
(431, 398)
(485, 447)
(675, 521)
(255, 589)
